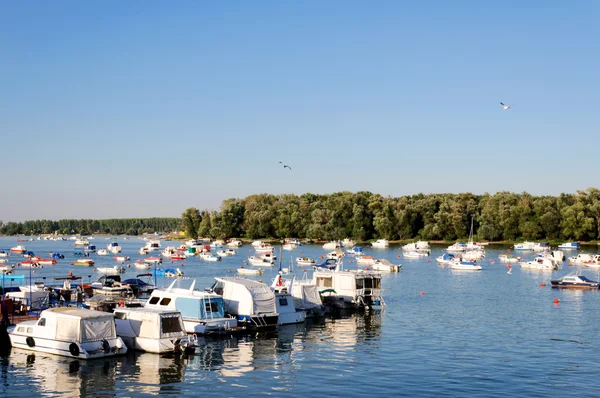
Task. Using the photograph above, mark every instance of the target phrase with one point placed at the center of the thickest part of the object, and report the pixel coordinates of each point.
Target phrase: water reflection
(151, 373)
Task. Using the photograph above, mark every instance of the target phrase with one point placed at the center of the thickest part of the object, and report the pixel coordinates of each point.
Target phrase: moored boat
(305, 261)
(465, 266)
(250, 271)
(384, 265)
(83, 262)
(365, 260)
(570, 246)
(102, 252)
(20, 249)
(381, 244)
(574, 281)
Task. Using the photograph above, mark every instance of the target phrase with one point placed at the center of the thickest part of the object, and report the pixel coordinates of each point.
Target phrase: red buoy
(542, 284)
(556, 301)
(422, 293)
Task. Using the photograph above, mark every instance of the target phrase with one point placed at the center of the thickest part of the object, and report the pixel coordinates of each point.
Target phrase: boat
(110, 270)
(264, 249)
(90, 249)
(365, 260)
(307, 298)
(524, 246)
(384, 265)
(348, 243)
(168, 251)
(570, 246)
(414, 254)
(354, 289)
(155, 330)
(464, 265)
(541, 246)
(33, 296)
(416, 246)
(457, 247)
(261, 261)
(251, 302)
(122, 259)
(574, 281)
(114, 248)
(446, 258)
(110, 285)
(56, 255)
(333, 245)
(305, 261)
(172, 273)
(46, 261)
(4, 253)
(139, 264)
(83, 262)
(381, 244)
(226, 253)
(193, 242)
(202, 312)
(355, 251)
(335, 255)
(28, 264)
(471, 255)
(285, 303)
(142, 288)
(20, 249)
(81, 242)
(152, 245)
(250, 271)
(178, 257)
(257, 243)
(102, 252)
(507, 258)
(153, 260)
(289, 246)
(540, 263)
(209, 257)
(234, 243)
(71, 332)
(582, 258)
(191, 251)
(217, 244)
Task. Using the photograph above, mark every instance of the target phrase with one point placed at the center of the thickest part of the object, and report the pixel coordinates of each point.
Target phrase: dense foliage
(364, 216)
(115, 226)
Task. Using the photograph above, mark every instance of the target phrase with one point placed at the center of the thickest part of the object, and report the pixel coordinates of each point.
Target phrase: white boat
(349, 289)
(471, 255)
(71, 332)
(384, 265)
(234, 243)
(446, 258)
(333, 245)
(34, 296)
(581, 258)
(202, 312)
(307, 298)
(114, 248)
(217, 244)
(348, 243)
(541, 263)
(290, 246)
(570, 246)
(110, 285)
(335, 255)
(305, 261)
(4, 253)
(226, 253)
(257, 243)
(153, 260)
(173, 273)
(250, 271)
(139, 264)
(168, 251)
(464, 266)
(122, 259)
(259, 261)
(507, 258)
(154, 330)
(20, 249)
(284, 302)
(524, 246)
(416, 246)
(252, 302)
(209, 257)
(102, 252)
(457, 247)
(193, 242)
(541, 246)
(110, 270)
(365, 260)
(264, 249)
(152, 245)
(81, 242)
(381, 244)
(414, 254)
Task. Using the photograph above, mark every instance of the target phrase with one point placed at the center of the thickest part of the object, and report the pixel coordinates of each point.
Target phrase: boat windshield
(98, 329)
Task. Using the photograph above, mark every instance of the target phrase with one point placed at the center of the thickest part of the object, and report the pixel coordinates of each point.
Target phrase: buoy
(556, 301)
(367, 268)
(508, 266)
(570, 265)
(398, 256)
(422, 293)
(321, 256)
(428, 261)
(182, 265)
(542, 284)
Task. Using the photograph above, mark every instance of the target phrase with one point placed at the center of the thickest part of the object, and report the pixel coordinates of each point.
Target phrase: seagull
(285, 165)
(505, 107)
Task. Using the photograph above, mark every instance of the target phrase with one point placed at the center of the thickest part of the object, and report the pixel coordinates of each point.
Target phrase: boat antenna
(171, 285)
(192, 286)
(280, 256)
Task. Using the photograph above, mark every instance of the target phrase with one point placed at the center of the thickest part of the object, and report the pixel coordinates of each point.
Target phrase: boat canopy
(328, 264)
(306, 296)
(448, 256)
(247, 297)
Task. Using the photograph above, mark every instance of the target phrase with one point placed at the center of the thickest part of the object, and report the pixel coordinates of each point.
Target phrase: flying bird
(285, 165)
(505, 107)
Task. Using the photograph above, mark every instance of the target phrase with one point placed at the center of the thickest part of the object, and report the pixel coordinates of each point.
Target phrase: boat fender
(100, 308)
(74, 349)
(30, 342)
(105, 346)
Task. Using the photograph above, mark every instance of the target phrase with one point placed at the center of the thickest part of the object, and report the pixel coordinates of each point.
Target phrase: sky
(144, 108)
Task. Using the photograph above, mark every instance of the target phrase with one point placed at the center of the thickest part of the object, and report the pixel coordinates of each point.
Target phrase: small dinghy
(386, 266)
(250, 271)
(122, 259)
(111, 270)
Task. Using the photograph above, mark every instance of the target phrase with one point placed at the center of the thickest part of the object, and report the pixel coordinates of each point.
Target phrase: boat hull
(88, 350)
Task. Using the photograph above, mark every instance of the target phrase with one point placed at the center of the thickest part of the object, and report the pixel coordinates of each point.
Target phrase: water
(485, 333)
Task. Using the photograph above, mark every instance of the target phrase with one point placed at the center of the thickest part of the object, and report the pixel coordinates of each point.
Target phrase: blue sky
(144, 108)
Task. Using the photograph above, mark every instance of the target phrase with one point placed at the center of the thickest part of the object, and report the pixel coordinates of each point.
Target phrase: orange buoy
(398, 256)
(321, 256)
(542, 284)
(428, 261)
(508, 266)
(570, 265)
(422, 293)
(367, 268)
(556, 301)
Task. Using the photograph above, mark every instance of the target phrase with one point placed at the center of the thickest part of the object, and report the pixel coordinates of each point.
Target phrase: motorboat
(355, 251)
(33, 296)
(570, 246)
(457, 247)
(155, 330)
(202, 312)
(191, 251)
(354, 289)
(226, 253)
(110, 270)
(259, 261)
(416, 246)
(574, 281)
(381, 244)
(90, 249)
(70, 331)
(541, 246)
(178, 256)
(582, 258)
(464, 265)
(264, 249)
(348, 243)
(56, 255)
(4, 253)
(471, 255)
(289, 246)
(253, 303)
(335, 255)
(524, 246)
(305, 261)
(365, 260)
(168, 251)
(193, 242)
(217, 244)
(250, 271)
(152, 245)
(81, 242)
(234, 243)
(446, 258)
(333, 245)
(114, 248)
(102, 252)
(507, 258)
(209, 257)
(28, 264)
(386, 266)
(139, 264)
(540, 263)
(122, 259)
(110, 285)
(414, 254)
(257, 243)
(20, 249)
(83, 262)
(284, 302)
(153, 260)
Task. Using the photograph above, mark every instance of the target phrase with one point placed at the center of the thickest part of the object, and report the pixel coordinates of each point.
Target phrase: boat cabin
(349, 289)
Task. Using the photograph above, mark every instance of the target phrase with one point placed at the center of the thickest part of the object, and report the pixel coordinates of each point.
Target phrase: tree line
(114, 226)
(364, 216)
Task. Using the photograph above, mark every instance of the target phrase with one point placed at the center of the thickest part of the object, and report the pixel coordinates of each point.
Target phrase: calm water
(485, 333)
